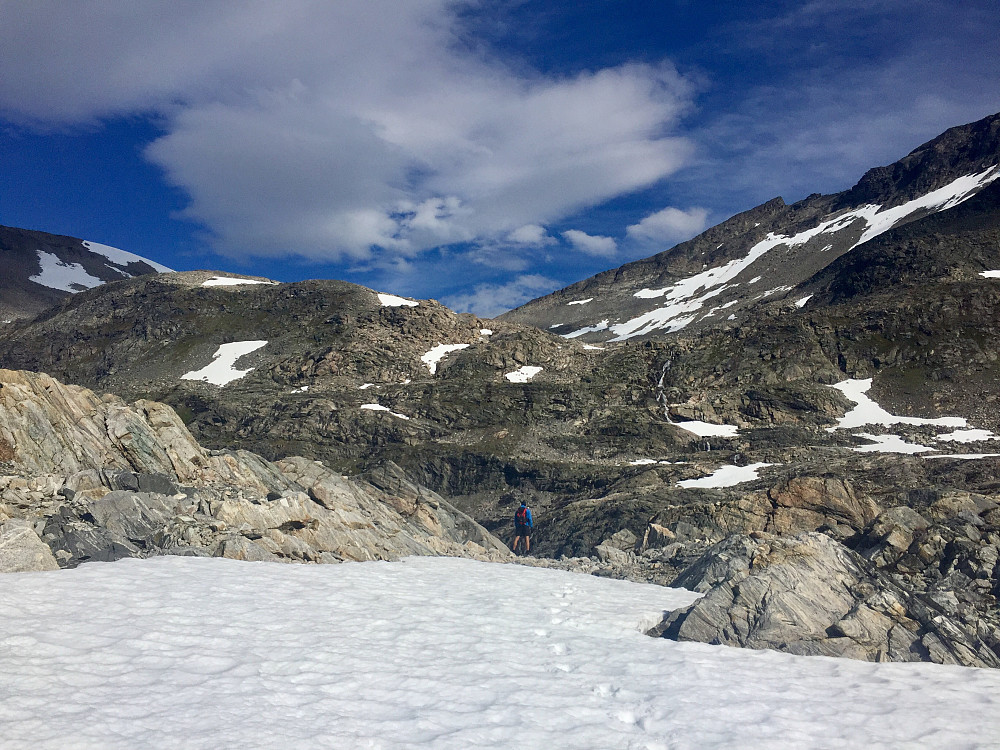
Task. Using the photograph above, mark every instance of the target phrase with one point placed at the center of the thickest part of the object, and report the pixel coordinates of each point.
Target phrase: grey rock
(21, 549)
(808, 594)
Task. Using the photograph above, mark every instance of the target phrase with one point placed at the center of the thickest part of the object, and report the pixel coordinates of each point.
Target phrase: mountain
(767, 254)
(834, 440)
(40, 269)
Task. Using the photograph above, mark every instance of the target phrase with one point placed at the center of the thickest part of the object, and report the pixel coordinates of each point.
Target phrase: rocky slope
(88, 477)
(40, 269)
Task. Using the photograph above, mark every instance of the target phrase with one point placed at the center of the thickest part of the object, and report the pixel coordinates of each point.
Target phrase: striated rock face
(808, 594)
(98, 479)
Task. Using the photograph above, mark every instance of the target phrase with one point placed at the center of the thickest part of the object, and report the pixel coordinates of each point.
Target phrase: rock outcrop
(99, 479)
(808, 594)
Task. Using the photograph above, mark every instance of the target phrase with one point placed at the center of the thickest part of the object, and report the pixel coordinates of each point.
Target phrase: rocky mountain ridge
(767, 253)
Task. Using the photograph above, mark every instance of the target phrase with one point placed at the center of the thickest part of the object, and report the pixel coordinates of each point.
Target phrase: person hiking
(523, 524)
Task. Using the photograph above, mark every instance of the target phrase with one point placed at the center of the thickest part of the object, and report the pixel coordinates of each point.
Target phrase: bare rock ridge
(88, 477)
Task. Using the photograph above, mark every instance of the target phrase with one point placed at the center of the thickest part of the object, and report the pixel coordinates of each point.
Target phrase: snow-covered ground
(432, 653)
(221, 370)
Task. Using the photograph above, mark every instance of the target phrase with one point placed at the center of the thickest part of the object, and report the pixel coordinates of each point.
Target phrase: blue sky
(480, 153)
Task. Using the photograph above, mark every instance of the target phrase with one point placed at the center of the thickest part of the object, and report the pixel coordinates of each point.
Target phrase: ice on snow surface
(522, 374)
(221, 370)
(439, 653)
(438, 353)
(391, 300)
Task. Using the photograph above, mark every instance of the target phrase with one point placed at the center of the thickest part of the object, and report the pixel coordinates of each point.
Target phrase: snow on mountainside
(764, 254)
(40, 269)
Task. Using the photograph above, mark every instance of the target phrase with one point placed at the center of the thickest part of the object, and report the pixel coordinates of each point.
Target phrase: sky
(481, 153)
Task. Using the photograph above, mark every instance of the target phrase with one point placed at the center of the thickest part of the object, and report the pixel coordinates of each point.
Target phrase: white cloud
(489, 300)
(325, 128)
(671, 225)
(532, 235)
(596, 245)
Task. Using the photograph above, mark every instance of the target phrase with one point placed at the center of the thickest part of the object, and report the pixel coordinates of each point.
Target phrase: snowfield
(222, 369)
(197, 653)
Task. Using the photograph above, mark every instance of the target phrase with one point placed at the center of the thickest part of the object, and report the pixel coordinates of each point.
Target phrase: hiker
(522, 527)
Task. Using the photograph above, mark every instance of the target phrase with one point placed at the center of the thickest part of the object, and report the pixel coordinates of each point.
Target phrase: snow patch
(391, 300)
(233, 281)
(379, 407)
(868, 412)
(66, 277)
(523, 374)
(366, 386)
(221, 370)
(707, 429)
(965, 456)
(122, 257)
(726, 476)
(592, 348)
(602, 326)
(438, 353)
(888, 444)
(485, 331)
(990, 274)
(802, 302)
(968, 436)
(581, 301)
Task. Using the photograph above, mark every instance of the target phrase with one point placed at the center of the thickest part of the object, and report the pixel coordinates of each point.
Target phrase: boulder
(22, 550)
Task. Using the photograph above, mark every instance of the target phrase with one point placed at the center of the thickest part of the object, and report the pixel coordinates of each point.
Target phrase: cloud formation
(489, 300)
(324, 129)
(602, 247)
(671, 225)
